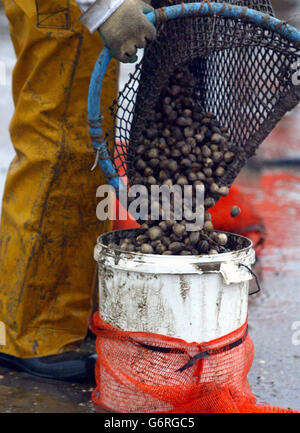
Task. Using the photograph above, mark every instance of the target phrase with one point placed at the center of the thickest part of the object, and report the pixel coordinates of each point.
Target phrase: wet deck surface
(274, 377)
(275, 193)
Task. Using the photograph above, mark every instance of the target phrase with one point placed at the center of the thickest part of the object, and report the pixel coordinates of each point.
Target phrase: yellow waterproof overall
(49, 225)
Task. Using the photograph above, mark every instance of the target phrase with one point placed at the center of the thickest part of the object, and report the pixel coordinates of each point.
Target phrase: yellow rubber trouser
(49, 225)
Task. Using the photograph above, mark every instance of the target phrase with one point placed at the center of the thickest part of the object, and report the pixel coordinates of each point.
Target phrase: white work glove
(123, 26)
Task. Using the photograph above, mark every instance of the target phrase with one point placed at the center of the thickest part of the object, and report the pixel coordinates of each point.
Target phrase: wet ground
(274, 315)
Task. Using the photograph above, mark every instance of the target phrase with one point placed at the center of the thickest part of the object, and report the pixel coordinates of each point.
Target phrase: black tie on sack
(191, 362)
(212, 352)
(201, 355)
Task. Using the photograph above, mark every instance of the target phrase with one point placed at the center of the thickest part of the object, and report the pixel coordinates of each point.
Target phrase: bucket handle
(255, 277)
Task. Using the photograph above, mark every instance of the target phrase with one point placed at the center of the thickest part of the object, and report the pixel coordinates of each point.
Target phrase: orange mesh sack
(151, 373)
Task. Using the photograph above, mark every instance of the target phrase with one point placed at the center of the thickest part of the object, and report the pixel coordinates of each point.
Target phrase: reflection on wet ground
(275, 373)
(275, 193)
(21, 393)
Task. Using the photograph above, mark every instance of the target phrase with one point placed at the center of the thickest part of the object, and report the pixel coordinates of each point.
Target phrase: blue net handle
(162, 15)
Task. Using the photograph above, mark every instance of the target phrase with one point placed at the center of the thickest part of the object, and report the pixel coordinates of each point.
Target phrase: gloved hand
(128, 29)
(125, 30)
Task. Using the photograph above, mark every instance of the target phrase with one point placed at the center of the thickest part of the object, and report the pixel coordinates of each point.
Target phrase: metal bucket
(194, 298)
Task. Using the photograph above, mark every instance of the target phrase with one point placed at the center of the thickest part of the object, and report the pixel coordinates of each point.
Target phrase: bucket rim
(212, 262)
